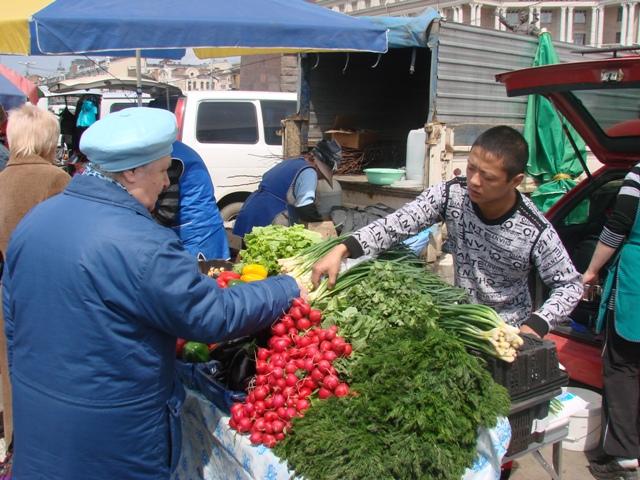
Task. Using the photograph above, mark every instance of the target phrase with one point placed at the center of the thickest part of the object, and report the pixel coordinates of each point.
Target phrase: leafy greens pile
(265, 245)
(419, 401)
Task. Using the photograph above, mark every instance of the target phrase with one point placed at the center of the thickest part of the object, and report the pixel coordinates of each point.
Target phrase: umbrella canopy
(553, 161)
(23, 84)
(119, 26)
(10, 95)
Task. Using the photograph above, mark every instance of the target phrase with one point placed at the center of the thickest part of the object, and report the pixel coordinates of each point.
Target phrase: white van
(239, 136)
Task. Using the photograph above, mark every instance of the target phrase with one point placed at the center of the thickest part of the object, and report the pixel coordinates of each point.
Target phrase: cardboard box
(356, 139)
(346, 133)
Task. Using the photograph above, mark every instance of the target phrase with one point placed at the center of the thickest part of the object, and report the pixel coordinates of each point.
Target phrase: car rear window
(273, 112)
(227, 122)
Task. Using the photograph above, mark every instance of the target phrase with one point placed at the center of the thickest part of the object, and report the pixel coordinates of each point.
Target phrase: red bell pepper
(224, 277)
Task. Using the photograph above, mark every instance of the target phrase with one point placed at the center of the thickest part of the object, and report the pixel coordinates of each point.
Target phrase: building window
(580, 16)
(546, 16)
(579, 38)
(619, 14)
(201, 85)
(618, 37)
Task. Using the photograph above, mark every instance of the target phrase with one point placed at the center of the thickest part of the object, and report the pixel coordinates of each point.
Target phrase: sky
(48, 65)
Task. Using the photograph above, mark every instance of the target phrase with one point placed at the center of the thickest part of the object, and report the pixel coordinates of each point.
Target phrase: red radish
(302, 404)
(325, 345)
(277, 372)
(269, 440)
(259, 424)
(293, 331)
(277, 426)
(309, 383)
(268, 427)
(244, 425)
(329, 335)
(288, 391)
(255, 438)
(261, 379)
(329, 355)
(331, 382)
(291, 380)
(305, 308)
(305, 392)
(323, 393)
(287, 321)
(297, 302)
(236, 407)
(263, 354)
(279, 329)
(291, 367)
(308, 364)
(270, 416)
(282, 412)
(281, 383)
(315, 316)
(262, 366)
(268, 403)
(233, 424)
(295, 313)
(261, 392)
(280, 345)
(317, 375)
(347, 350)
(237, 415)
(324, 366)
(248, 409)
(342, 390)
(303, 324)
(259, 407)
(278, 401)
(279, 436)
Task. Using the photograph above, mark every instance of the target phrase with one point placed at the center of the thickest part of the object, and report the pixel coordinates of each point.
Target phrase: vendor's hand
(590, 277)
(528, 330)
(329, 265)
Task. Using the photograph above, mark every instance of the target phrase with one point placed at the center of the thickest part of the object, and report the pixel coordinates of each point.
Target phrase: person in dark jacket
(95, 294)
(189, 206)
(287, 192)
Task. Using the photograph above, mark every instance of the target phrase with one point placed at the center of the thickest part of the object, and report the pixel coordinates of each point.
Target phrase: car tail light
(179, 113)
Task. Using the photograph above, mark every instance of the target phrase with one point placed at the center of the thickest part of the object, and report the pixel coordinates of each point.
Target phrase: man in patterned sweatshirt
(495, 234)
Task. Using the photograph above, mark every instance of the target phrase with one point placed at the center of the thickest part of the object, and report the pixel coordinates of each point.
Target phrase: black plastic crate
(522, 415)
(535, 367)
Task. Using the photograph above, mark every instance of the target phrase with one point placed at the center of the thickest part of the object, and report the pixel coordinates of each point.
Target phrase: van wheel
(229, 214)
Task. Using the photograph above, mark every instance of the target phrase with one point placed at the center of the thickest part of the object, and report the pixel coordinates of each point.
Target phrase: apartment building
(583, 22)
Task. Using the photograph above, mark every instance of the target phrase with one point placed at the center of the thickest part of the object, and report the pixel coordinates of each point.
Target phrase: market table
(211, 450)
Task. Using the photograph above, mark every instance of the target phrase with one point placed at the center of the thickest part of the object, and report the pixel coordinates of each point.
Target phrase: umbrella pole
(139, 77)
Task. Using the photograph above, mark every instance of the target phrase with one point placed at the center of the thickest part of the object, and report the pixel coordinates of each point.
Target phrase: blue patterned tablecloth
(211, 450)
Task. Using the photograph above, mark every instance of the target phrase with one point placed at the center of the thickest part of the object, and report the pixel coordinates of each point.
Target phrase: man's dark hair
(509, 145)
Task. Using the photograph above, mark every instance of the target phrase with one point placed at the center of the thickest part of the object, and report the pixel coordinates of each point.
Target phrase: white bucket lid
(593, 399)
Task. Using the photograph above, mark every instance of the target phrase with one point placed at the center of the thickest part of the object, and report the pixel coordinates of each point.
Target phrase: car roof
(600, 98)
(238, 95)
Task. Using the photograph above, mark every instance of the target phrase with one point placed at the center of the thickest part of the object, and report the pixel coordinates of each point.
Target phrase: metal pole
(139, 77)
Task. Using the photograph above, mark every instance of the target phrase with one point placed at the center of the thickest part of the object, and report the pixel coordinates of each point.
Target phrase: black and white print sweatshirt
(492, 258)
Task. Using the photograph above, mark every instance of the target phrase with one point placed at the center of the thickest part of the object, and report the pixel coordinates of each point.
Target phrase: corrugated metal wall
(466, 95)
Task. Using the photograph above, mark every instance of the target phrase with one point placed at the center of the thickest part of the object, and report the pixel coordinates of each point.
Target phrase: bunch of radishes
(297, 365)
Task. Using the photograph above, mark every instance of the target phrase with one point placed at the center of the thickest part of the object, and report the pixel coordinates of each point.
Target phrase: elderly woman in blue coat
(95, 294)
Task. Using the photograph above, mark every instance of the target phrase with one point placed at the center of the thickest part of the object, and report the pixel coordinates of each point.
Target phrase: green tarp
(553, 162)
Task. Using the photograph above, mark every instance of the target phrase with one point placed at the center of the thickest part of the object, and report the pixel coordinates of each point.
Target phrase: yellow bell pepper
(251, 277)
(255, 269)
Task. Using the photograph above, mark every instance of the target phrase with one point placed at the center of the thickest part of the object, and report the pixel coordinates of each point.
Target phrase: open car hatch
(600, 98)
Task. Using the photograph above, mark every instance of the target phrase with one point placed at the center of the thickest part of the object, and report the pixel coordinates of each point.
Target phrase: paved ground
(574, 466)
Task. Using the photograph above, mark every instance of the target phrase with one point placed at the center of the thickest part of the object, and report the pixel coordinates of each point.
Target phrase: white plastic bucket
(584, 425)
(416, 151)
